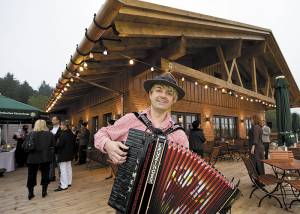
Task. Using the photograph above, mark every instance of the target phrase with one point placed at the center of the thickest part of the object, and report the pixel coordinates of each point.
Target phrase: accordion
(158, 177)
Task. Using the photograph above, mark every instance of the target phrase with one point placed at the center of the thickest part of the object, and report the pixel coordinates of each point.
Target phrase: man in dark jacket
(196, 138)
(56, 130)
(84, 137)
(65, 153)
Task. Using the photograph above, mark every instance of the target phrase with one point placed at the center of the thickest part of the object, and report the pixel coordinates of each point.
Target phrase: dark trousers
(32, 173)
(52, 168)
(82, 154)
(76, 149)
(266, 145)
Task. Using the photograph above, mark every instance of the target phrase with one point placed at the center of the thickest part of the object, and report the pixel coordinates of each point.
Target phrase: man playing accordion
(163, 92)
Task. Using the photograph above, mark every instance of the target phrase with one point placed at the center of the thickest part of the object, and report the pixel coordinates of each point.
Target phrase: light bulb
(182, 79)
(152, 68)
(105, 52)
(85, 65)
(131, 62)
(72, 80)
(206, 86)
(196, 83)
(91, 55)
(80, 68)
(77, 74)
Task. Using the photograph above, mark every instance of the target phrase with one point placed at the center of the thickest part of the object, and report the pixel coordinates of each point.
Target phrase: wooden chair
(281, 155)
(213, 157)
(296, 152)
(295, 186)
(262, 181)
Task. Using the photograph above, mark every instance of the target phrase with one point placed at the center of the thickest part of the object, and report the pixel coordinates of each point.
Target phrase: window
(184, 119)
(248, 125)
(106, 118)
(95, 124)
(225, 127)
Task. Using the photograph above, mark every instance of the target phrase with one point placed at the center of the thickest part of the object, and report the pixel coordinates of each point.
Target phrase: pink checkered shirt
(119, 131)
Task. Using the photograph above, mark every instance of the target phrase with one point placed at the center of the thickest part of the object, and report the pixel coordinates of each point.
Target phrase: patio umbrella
(283, 112)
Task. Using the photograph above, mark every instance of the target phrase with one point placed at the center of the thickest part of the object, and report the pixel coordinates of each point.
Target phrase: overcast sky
(37, 37)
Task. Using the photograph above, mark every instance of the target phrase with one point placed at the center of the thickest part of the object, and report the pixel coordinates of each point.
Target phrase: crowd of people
(45, 149)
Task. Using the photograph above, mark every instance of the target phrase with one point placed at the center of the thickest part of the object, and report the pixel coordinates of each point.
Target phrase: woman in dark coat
(65, 151)
(39, 157)
(257, 149)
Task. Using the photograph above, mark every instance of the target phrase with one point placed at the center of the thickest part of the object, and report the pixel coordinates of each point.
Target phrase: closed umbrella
(283, 112)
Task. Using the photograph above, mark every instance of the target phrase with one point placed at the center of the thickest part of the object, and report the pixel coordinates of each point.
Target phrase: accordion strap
(144, 119)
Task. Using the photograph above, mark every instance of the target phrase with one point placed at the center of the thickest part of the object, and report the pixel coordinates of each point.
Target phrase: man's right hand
(115, 151)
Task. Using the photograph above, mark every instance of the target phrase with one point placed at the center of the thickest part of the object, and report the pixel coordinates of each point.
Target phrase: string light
(131, 62)
(152, 68)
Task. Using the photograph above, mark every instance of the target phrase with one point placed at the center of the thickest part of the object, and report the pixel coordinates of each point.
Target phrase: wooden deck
(90, 191)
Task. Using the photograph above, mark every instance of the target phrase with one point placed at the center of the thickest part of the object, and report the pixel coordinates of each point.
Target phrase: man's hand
(115, 152)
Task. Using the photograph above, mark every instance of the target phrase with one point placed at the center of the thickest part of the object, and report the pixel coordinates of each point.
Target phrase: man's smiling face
(162, 97)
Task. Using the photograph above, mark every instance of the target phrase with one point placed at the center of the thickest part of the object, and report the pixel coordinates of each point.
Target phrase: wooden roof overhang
(168, 38)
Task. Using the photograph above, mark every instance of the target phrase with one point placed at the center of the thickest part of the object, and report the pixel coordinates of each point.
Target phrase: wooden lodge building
(226, 68)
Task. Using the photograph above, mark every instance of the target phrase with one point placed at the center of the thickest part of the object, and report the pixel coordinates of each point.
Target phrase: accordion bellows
(167, 178)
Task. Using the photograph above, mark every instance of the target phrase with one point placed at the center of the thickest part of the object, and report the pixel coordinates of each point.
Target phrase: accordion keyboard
(128, 173)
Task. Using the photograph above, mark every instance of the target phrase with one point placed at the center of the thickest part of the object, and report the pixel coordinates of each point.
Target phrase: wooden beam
(138, 29)
(254, 50)
(205, 78)
(223, 62)
(232, 49)
(253, 72)
(238, 73)
(173, 51)
(267, 86)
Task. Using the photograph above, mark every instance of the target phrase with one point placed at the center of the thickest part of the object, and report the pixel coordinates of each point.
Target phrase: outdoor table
(285, 165)
(7, 160)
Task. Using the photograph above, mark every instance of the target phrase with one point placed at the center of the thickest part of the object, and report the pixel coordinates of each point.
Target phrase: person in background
(65, 151)
(40, 157)
(56, 132)
(84, 137)
(266, 131)
(196, 138)
(257, 149)
(76, 147)
(20, 154)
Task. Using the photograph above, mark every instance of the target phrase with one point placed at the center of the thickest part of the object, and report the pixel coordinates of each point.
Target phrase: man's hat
(165, 79)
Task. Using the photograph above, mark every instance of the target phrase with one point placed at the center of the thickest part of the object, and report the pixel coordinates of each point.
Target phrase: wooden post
(253, 72)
